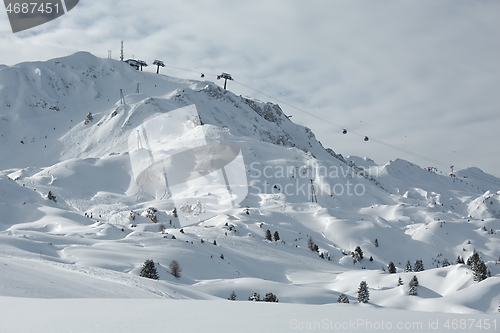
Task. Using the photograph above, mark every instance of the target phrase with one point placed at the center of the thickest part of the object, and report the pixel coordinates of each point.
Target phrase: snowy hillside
(65, 129)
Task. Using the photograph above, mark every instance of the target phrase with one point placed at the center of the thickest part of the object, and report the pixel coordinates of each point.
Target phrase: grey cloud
(426, 71)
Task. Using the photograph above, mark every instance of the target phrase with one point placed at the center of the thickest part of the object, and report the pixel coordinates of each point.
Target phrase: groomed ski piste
(73, 264)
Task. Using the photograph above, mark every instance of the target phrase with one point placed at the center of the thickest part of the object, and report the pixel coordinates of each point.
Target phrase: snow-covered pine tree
(391, 268)
(480, 271)
(149, 270)
(445, 263)
(408, 267)
(363, 292)
(232, 296)
(343, 299)
(459, 260)
(276, 236)
(414, 281)
(376, 242)
(268, 235)
(418, 266)
(473, 259)
(413, 286)
(270, 297)
(478, 267)
(151, 214)
(255, 297)
(400, 281)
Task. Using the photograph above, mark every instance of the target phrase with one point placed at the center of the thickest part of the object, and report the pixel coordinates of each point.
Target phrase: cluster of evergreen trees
(363, 294)
(255, 297)
(149, 270)
(418, 266)
(275, 236)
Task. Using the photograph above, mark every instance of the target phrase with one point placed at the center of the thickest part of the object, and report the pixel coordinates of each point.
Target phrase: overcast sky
(423, 76)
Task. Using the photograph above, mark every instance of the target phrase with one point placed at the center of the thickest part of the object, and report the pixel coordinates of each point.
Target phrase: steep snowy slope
(100, 227)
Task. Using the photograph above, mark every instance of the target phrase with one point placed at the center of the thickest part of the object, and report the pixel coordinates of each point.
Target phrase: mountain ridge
(47, 143)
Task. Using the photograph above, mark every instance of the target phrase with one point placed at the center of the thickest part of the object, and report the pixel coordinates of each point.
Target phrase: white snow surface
(53, 255)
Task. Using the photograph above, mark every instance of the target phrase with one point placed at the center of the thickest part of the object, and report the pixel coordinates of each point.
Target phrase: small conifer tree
(408, 267)
(478, 267)
(88, 119)
(310, 243)
(232, 296)
(413, 287)
(50, 196)
(363, 292)
(268, 235)
(400, 281)
(270, 297)
(255, 297)
(391, 268)
(175, 268)
(459, 260)
(343, 299)
(418, 266)
(149, 270)
(480, 271)
(359, 252)
(473, 259)
(276, 236)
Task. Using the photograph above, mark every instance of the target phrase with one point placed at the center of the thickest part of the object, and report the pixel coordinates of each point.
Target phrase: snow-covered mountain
(93, 238)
